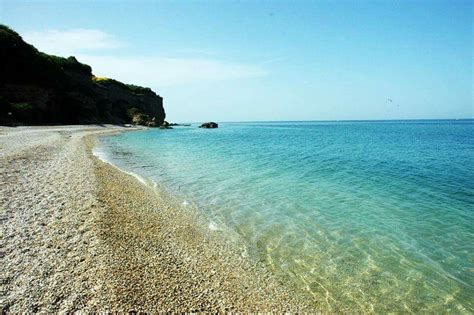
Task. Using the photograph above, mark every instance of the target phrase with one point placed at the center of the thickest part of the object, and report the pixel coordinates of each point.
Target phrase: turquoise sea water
(366, 216)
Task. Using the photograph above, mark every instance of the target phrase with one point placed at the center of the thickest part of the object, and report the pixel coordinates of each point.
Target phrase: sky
(270, 60)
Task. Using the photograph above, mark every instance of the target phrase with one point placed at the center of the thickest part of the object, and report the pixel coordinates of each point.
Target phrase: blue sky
(270, 60)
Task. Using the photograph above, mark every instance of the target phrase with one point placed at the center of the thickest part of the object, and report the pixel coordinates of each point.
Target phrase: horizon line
(330, 120)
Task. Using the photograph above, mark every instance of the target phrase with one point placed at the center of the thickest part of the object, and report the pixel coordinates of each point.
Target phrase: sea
(360, 216)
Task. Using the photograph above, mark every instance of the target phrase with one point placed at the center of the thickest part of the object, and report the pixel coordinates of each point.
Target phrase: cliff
(37, 88)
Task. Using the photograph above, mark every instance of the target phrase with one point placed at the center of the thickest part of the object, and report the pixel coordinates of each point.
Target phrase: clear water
(366, 216)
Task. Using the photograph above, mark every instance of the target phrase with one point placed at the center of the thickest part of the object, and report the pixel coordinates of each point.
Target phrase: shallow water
(363, 215)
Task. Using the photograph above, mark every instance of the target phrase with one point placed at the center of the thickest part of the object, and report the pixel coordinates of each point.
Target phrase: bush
(23, 112)
(21, 107)
(138, 89)
(131, 112)
(140, 119)
(100, 79)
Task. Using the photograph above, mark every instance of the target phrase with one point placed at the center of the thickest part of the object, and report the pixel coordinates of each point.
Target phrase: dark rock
(209, 125)
(152, 122)
(165, 125)
(175, 124)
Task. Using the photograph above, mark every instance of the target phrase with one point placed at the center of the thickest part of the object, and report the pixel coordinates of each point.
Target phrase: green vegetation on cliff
(37, 88)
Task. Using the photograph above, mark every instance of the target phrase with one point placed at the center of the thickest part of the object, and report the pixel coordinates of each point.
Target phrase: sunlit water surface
(363, 215)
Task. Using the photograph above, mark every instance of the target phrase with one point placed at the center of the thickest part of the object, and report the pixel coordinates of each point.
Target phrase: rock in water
(209, 125)
(165, 125)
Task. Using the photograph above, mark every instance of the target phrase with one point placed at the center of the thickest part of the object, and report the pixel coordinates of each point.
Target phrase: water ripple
(367, 217)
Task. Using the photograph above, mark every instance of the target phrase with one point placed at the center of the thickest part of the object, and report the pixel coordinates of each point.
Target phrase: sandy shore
(78, 234)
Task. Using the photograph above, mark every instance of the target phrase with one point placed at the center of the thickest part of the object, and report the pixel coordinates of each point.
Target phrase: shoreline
(117, 245)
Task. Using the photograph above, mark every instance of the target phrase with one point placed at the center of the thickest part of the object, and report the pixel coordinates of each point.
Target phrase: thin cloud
(274, 60)
(72, 41)
(89, 45)
(195, 51)
(159, 71)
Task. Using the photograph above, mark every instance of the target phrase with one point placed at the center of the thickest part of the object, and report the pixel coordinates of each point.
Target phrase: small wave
(102, 156)
(138, 177)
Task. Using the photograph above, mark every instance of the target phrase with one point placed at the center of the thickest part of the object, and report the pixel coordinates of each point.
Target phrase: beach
(78, 234)
(236, 157)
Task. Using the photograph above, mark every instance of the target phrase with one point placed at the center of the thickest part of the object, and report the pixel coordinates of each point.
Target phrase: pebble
(79, 235)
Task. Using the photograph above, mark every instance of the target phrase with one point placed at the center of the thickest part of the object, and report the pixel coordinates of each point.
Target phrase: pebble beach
(77, 234)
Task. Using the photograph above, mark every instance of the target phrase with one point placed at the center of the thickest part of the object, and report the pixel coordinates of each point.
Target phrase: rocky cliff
(36, 88)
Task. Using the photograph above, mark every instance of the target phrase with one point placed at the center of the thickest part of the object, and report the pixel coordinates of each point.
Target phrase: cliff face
(36, 88)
